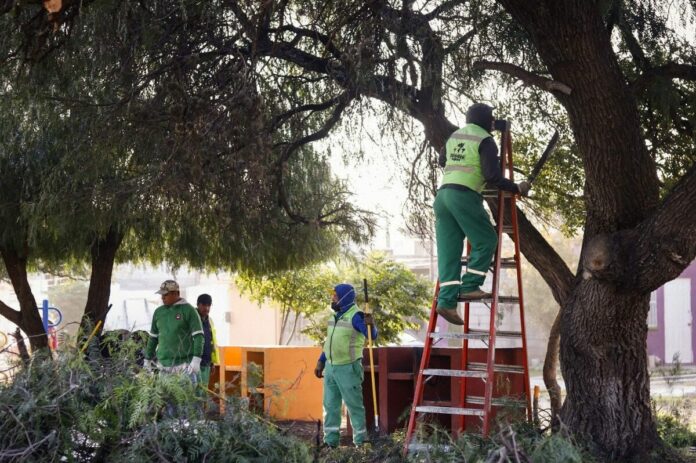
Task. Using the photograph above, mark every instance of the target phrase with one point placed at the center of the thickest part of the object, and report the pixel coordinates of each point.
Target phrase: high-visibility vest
(344, 344)
(463, 161)
(214, 355)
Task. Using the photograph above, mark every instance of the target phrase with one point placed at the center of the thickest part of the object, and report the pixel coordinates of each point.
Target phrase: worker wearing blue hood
(341, 367)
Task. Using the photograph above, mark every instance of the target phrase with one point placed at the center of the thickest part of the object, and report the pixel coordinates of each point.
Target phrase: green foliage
(673, 417)
(674, 432)
(297, 293)
(84, 409)
(398, 298)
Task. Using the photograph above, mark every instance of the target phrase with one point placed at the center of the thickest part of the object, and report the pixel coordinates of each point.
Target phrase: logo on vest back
(178, 316)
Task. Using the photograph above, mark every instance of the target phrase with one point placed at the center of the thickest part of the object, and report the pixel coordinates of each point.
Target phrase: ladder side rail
(465, 355)
(520, 293)
(490, 379)
(425, 358)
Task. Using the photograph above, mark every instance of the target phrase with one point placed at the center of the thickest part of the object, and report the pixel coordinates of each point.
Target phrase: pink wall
(656, 337)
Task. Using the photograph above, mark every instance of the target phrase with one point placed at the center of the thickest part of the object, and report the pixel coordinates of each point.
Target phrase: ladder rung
(454, 373)
(450, 410)
(501, 299)
(498, 401)
(498, 368)
(483, 335)
(505, 262)
(499, 334)
(508, 229)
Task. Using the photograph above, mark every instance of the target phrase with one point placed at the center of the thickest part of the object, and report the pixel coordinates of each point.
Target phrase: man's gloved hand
(319, 370)
(369, 320)
(194, 367)
(524, 188)
(148, 365)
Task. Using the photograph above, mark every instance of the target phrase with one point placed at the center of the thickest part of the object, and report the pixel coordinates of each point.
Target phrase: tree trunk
(28, 318)
(605, 368)
(103, 252)
(603, 328)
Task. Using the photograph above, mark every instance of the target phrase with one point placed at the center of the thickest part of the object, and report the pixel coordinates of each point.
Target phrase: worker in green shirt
(340, 364)
(176, 336)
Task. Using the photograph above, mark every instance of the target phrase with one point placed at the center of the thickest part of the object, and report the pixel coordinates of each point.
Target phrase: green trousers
(344, 383)
(458, 215)
(204, 376)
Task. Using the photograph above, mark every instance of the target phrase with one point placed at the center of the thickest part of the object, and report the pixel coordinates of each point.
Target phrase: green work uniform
(176, 335)
(343, 378)
(459, 214)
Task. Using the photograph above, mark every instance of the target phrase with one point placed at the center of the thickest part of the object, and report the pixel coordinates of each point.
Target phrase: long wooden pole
(372, 361)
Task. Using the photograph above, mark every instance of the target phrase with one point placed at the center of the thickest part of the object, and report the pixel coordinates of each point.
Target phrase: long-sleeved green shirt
(176, 334)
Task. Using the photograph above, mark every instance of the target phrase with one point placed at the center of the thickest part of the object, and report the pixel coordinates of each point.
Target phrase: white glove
(194, 367)
(148, 365)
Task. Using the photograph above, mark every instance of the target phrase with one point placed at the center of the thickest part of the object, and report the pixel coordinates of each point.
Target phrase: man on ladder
(470, 161)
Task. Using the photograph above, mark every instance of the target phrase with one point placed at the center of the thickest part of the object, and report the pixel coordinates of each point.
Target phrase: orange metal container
(278, 379)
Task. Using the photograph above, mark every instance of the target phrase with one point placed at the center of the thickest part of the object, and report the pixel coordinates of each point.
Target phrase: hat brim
(162, 291)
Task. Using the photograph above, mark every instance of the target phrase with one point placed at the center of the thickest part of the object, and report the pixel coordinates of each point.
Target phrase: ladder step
(499, 334)
(498, 368)
(482, 335)
(454, 373)
(450, 410)
(497, 401)
(505, 262)
(508, 228)
(501, 299)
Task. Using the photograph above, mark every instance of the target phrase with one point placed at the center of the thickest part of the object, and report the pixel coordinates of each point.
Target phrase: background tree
(398, 298)
(298, 294)
(165, 153)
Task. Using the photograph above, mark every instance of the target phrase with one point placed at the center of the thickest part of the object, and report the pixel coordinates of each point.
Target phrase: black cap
(205, 299)
(480, 114)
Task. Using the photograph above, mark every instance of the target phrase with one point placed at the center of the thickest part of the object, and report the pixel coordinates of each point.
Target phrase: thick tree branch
(311, 34)
(540, 254)
(281, 118)
(653, 253)
(528, 78)
(667, 71)
(9, 313)
(633, 46)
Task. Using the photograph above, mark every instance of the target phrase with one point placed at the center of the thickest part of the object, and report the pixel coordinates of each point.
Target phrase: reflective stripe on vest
(344, 344)
(463, 161)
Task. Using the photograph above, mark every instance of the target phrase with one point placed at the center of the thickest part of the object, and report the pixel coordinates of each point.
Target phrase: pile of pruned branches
(85, 407)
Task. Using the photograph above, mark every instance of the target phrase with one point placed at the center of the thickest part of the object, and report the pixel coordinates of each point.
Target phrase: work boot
(450, 315)
(474, 295)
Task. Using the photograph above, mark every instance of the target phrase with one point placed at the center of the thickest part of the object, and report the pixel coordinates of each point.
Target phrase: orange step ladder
(469, 405)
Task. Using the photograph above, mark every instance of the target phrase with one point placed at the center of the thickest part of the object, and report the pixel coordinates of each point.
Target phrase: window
(652, 314)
